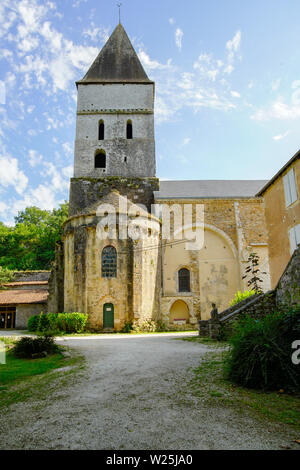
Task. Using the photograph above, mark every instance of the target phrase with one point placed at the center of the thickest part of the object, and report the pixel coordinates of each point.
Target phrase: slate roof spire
(117, 62)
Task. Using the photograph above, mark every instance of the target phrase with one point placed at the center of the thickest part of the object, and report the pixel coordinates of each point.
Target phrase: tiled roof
(203, 189)
(292, 160)
(28, 283)
(32, 296)
(116, 62)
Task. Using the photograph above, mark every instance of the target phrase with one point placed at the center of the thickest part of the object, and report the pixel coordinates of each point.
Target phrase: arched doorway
(179, 312)
(108, 316)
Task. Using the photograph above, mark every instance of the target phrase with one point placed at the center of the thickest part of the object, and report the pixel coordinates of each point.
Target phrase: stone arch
(215, 229)
(179, 311)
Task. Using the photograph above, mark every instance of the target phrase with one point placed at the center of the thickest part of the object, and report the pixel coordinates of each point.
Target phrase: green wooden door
(108, 316)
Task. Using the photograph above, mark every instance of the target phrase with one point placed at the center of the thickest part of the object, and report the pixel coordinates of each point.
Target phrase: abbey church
(118, 279)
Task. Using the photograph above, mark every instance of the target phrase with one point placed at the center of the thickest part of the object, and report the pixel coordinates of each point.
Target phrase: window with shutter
(290, 188)
(294, 234)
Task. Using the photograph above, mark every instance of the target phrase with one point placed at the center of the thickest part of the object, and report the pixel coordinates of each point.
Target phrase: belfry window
(129, 129)
(101, 131)
(184, 280)
(109, 262)
(100, 159)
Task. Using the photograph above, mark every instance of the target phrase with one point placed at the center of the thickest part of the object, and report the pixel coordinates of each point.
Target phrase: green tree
(30, 244)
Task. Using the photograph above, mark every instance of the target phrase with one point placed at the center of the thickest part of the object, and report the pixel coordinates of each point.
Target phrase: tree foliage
(30, 244)
(253, 270)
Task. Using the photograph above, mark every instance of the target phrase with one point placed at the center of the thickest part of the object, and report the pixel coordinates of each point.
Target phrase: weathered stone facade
(286, 295)
(114, 94)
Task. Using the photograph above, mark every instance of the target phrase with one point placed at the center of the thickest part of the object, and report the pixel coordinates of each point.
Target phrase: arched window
(109, 262)
(129, 129)
(101, 130)
(184, 280)
(100, 159)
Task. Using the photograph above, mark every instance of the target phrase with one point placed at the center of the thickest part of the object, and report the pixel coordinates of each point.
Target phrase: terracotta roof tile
(28, 283)
(30, 296)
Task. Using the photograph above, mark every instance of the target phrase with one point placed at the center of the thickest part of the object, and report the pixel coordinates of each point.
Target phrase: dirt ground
(132, 394)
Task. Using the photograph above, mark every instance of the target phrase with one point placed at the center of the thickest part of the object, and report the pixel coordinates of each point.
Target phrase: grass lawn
(97, 333)
(211, 387)
(19, 378)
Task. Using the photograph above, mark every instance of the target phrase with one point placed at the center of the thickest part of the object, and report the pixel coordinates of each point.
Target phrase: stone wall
(285, 296)
(288, 288)
(232, 229)
(55, 302)
(135, 292)
(29, 276)
(86, 193)
(25, 311)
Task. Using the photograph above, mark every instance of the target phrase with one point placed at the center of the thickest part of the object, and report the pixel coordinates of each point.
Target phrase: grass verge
(21, 379)
(210, 386)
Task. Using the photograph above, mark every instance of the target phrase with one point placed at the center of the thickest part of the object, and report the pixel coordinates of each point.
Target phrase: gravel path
(130, 396)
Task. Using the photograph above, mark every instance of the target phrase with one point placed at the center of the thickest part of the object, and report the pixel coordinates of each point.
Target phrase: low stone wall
(30, 276)
(288, 287)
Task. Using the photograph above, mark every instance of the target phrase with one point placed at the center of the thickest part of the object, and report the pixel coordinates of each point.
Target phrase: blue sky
(227, 79)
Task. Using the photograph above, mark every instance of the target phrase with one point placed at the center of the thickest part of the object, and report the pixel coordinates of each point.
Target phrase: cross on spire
(119, 6)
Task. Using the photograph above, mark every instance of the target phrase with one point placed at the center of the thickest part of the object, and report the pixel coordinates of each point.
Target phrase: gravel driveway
(130, 396)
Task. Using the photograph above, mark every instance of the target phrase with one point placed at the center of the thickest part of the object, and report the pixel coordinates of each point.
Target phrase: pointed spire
(117, 62)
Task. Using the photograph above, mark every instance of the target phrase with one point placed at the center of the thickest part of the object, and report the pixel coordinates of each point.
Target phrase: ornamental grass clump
(261, 354)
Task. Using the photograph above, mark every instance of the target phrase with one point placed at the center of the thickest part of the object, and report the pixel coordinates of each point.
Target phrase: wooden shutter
(292, 184)
(287, 192)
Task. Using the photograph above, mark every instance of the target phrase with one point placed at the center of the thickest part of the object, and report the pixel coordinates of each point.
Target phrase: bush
(26, 346)
(261, 352)
(43, 324)
(141, 326)
(239, 296)
(33, 323)
(59, 322)
(127, 328)
(70, 322)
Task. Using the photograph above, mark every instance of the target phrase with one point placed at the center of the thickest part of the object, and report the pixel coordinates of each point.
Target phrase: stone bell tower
(115, 127)
(114, 279)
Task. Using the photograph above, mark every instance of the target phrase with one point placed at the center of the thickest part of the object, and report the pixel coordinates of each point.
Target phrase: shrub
(261, 352)
(239, 296)
(127, 328)
(71, 322)
(140, 326)
(26, 346)
(43, 324)
(33, 323)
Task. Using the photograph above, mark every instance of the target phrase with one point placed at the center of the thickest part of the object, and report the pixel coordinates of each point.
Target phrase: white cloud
(186, 141)
(278, 110)
(11, 175)
(68, 171)
(178, 38)
(96, 34)
(281, 136)
(171, 20)
(67, 147)
(233, 45)
(235, 94)
(34, 158)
